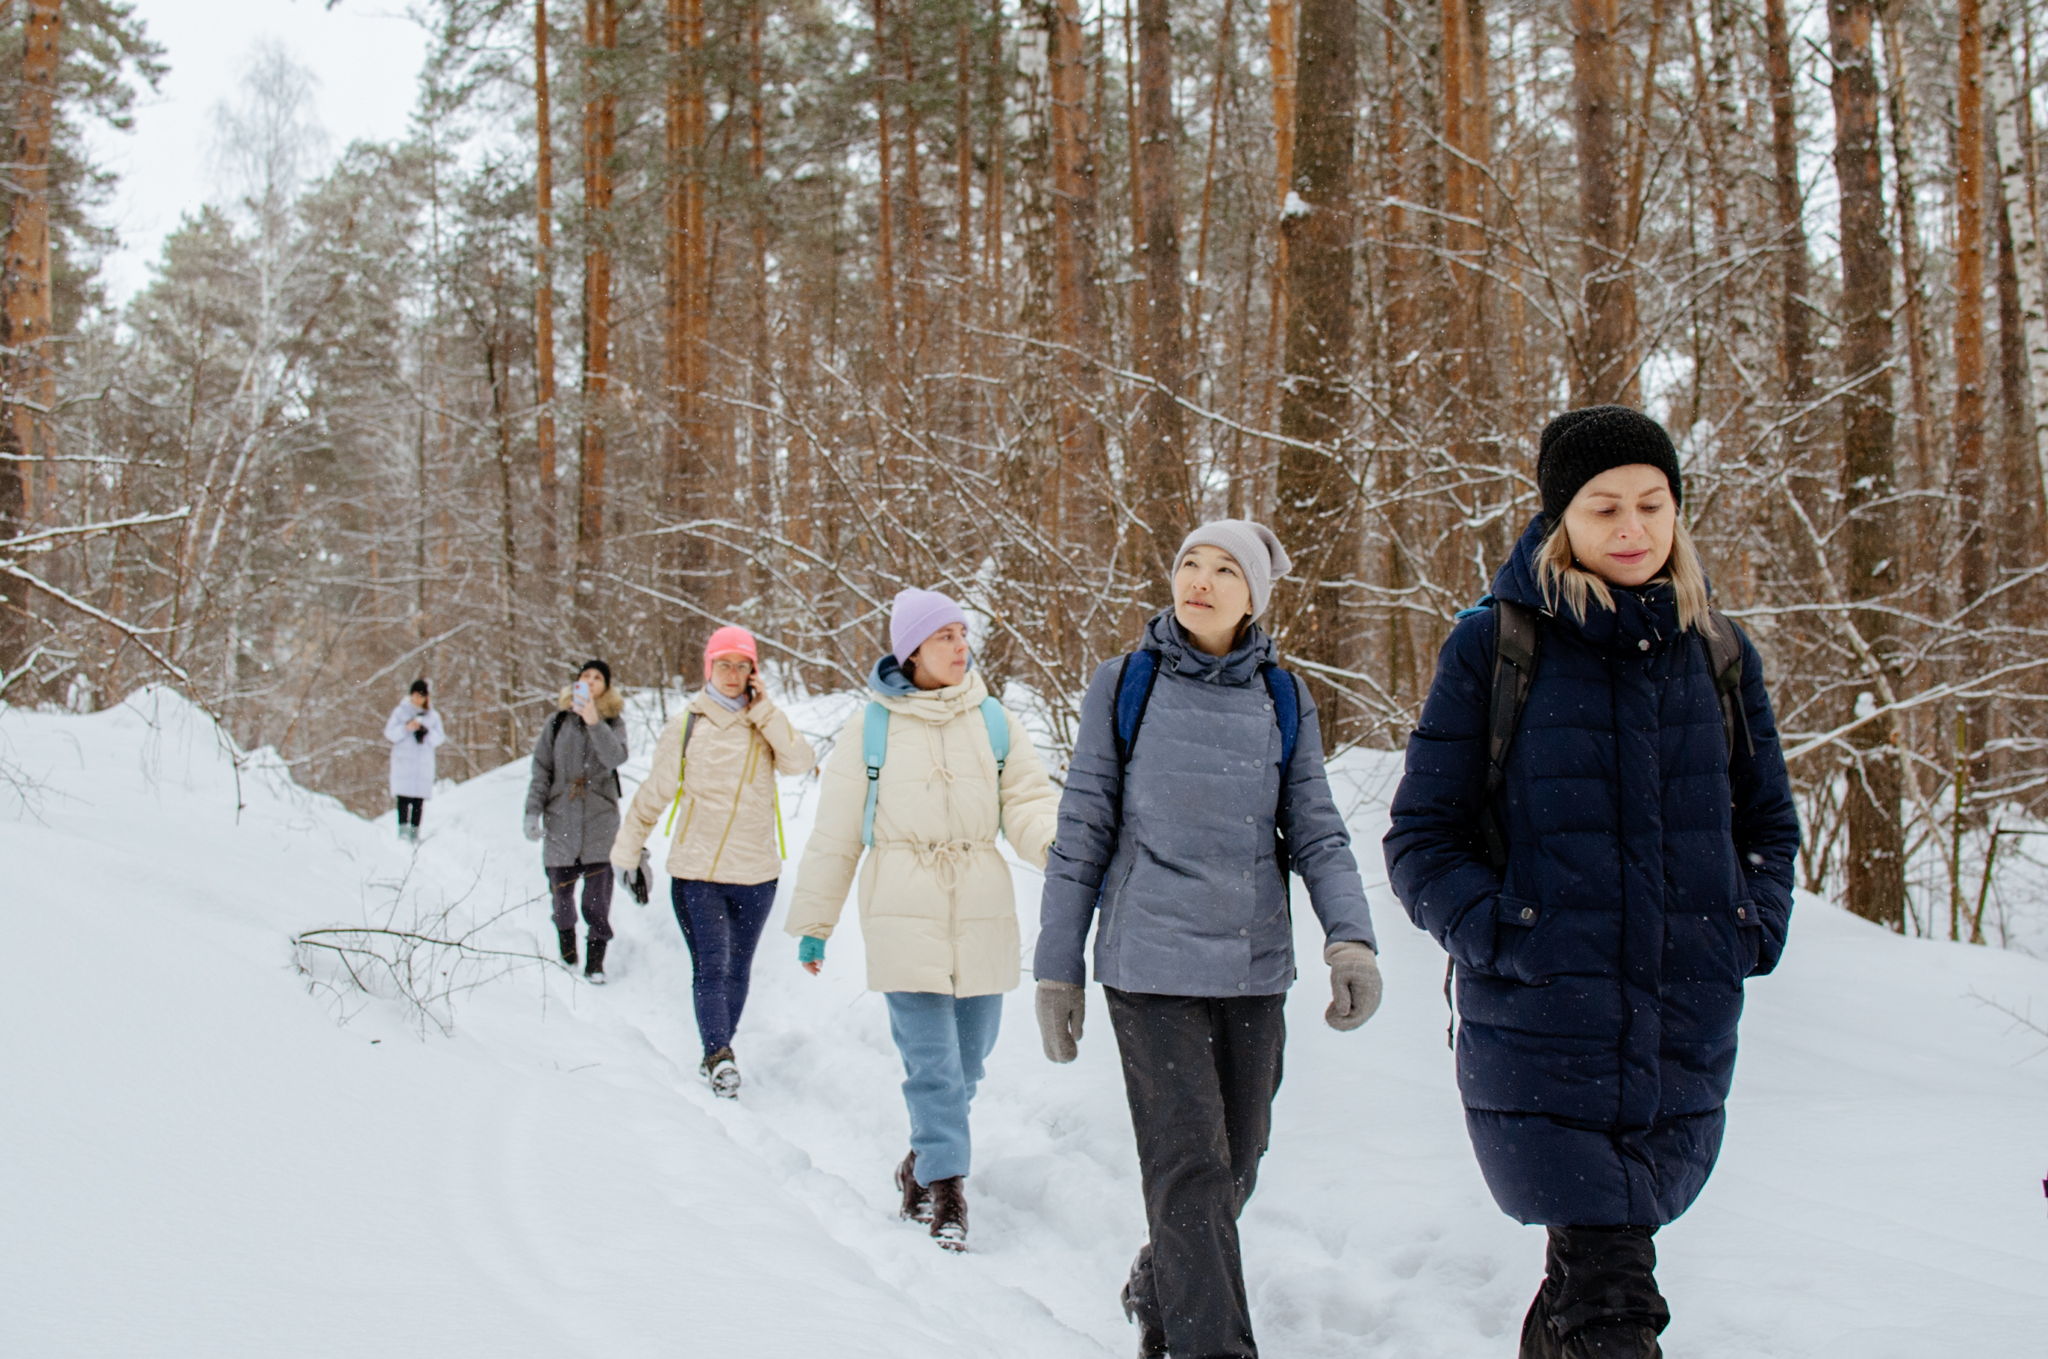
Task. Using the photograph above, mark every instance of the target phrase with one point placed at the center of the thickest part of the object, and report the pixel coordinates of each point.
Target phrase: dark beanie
(1579, 445)
(419, 686)
(600, 667)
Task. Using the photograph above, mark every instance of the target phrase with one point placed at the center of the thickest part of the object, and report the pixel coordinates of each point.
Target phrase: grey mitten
(533, 826)
(1354, 983)
(1060, 1009)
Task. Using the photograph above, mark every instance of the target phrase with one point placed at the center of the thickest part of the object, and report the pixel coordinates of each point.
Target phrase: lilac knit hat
(915, 615)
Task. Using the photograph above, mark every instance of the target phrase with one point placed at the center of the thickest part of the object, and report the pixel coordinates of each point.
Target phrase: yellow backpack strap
(682, 766)
(781, 845)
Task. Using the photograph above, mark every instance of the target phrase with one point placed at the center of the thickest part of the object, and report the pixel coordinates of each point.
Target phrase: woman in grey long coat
(1196, 784)
(573, 801)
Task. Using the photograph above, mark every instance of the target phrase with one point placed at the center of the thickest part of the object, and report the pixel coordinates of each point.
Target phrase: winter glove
(1061, 1006)
(533, 826)
(809, 950)
(1354, 984)
(635, 879)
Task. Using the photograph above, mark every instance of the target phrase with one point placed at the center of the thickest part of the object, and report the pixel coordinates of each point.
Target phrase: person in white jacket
(949, 768)
(413, 729)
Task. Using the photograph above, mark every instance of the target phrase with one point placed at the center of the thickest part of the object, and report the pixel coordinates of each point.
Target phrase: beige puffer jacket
(725, 827)
(937, 908)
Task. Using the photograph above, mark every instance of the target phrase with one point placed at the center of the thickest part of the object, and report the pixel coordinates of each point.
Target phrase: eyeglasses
(732, 667)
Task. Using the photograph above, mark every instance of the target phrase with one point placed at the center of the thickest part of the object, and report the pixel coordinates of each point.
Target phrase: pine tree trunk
(1795, 325)
(600, 137)
(1317, 501)
(1876, 876)
(1077, 288)
(28, 378)
(1605, 367)
(1162, 454)
(1970, 532)
(544, 290)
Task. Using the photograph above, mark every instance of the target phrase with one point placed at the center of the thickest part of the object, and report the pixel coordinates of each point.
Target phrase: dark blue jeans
(721, 924)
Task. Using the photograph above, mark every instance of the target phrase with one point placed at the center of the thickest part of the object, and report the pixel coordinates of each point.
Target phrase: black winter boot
(1540, 1339)
(949, 1212)
(568, 938)
(593, 968)
(917, 1200)
(1137, 1308)
(1613, 1340)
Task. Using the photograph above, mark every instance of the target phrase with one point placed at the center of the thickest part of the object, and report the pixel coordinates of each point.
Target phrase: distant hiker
(923, 777)
(1596, 825)
(1196, 784)
(573, 800)
(413, 729)
(714, 774)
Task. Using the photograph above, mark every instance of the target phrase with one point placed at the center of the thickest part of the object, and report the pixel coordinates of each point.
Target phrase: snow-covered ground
(200, 1159)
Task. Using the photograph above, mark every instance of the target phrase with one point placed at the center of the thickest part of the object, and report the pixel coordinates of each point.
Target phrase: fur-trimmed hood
(609, 703)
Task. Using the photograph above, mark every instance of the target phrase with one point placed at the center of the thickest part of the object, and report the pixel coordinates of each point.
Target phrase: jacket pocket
(1749, 937)
(1517, 939)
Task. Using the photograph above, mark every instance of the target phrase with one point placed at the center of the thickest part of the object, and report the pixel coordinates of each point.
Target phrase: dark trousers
(1594, 1277)
(1200, 1074)
(721, 923)
(409, 809)
(597, 897)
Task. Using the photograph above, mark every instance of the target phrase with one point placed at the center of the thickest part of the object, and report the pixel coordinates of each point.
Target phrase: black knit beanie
(600, 667)
(419, 686)
(1579, 445)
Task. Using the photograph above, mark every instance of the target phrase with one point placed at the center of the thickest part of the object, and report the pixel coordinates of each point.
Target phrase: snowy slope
(201, 1159)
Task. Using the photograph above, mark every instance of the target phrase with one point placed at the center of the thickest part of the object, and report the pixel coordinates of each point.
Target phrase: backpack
(683, 767)
(874, 748)
(1140, 671)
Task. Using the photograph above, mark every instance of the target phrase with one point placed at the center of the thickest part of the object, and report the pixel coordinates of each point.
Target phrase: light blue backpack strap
(998, 731)
(874, 748)
(998, 723)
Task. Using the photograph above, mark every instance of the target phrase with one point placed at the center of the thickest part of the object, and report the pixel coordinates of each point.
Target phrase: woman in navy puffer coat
(1648, 871)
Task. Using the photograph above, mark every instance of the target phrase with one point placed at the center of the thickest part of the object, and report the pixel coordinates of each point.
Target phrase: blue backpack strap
(1134, 681)
(1286, 711)
(874, 748)
(998, 723)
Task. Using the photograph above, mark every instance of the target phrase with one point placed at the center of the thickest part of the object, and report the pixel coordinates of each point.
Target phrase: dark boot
(721, 1072)
(949, 1212)
(917, 1200)
(1540, 1339)
(593, 969)
(1139, 1308)
(1613, 1340)
(568, 946)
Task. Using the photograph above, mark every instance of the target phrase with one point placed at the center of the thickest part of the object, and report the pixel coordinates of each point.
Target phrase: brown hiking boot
(949, 1212)
(917, 1200)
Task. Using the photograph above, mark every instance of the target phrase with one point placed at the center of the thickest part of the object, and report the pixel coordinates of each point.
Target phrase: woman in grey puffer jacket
(1196, 783)
(573, 801)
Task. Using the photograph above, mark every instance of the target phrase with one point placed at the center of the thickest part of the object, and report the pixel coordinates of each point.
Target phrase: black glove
(636, 882)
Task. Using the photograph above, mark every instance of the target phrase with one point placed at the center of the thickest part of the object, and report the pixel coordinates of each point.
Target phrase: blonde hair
(1563, 580)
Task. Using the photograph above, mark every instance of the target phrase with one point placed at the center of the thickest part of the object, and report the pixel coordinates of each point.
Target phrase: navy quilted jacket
(1600, 978)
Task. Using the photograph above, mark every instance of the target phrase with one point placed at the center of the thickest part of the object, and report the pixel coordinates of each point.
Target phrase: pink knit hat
(730, 642)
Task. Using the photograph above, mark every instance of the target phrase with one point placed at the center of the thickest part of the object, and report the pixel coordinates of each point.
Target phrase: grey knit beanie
(1254, 547)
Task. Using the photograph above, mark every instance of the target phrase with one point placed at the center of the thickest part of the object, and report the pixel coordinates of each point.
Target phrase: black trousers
(1200, 1074)
(597, 897)
(1594, 1276)
(409, 810)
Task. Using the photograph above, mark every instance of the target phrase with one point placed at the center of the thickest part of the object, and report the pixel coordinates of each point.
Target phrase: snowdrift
(215, 1146)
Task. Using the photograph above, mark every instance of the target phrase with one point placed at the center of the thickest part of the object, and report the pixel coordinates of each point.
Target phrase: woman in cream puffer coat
(726, 857)
(938, 909)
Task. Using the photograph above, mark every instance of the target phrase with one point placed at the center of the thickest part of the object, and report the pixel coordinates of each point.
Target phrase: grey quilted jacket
(575, 782)
(1176, 851)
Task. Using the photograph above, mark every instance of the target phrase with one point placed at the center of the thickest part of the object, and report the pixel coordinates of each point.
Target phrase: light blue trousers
(945, 1042)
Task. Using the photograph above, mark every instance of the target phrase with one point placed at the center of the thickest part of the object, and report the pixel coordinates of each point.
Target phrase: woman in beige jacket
(715, 764)
(949, 767)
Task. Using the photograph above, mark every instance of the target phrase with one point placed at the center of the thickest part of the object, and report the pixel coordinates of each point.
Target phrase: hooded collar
(1240, 666)
(1643, 614)
(900, 694)
(609, 704)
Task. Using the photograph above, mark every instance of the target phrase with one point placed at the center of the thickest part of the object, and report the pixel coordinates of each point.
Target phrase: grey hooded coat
(1177, 849)
(575, 783)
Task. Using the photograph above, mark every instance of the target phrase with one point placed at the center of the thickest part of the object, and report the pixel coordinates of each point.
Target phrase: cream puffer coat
(725, 827)
(938, 911)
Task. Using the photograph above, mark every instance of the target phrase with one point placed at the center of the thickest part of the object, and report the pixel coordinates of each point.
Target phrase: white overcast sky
(365, 54)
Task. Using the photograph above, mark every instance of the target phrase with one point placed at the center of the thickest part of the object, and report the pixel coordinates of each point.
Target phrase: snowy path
(201, 1161)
